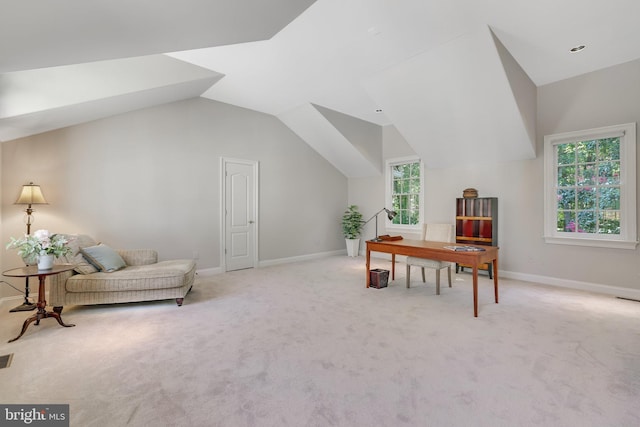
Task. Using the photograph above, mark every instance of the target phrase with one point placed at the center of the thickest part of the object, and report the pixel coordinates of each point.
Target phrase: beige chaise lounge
(142, 279)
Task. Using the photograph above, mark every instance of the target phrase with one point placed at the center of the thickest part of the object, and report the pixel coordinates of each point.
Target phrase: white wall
(368, 193)
(365, 136)
(606, 97)
(150, 179)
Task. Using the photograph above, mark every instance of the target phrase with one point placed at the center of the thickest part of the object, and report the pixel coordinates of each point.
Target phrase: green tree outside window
(406, 193)
(588, 186)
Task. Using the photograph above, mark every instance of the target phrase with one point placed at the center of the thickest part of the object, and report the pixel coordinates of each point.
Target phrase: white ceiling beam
(321, 134)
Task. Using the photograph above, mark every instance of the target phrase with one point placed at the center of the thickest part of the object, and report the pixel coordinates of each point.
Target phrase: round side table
(42, 313)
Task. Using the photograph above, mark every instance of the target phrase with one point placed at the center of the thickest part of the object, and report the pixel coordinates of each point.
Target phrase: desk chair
(434, 233)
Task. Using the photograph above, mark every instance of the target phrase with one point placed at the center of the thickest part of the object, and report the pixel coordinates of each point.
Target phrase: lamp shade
(390, 214)
(31, 194)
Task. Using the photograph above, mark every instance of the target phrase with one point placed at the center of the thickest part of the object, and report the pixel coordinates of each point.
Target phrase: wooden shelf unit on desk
(477, 224)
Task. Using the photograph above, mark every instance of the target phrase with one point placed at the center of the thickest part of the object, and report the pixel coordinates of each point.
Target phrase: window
(590, 187)
(404, 191)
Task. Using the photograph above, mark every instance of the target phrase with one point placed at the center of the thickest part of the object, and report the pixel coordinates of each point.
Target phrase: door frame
(223, 207)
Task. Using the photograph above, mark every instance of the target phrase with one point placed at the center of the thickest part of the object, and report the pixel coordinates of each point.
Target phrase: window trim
(627, 239)
(388, 193)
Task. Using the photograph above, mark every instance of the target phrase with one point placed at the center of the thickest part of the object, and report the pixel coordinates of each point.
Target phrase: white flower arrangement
(40, 243)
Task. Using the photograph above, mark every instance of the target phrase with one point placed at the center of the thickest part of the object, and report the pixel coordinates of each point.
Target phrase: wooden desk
(437, 251)
(42, 313)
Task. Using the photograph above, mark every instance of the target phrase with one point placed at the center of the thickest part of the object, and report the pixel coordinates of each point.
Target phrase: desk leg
(475, 290)
(495, 278)
(368, 281)
(393, 266)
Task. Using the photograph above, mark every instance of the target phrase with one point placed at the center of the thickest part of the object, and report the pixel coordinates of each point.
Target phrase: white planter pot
(45, 262)
(353, 247)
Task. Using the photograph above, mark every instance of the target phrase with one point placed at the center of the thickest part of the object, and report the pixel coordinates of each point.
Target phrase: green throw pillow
(103, 258)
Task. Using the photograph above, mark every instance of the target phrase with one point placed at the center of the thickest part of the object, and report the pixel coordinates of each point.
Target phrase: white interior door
(240, 214)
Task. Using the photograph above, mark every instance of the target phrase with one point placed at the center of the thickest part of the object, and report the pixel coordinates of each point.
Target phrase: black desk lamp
(390, 215)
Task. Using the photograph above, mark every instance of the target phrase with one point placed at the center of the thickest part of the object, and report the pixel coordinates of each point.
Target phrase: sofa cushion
(77, 241)
(103, 258)
(163, 275)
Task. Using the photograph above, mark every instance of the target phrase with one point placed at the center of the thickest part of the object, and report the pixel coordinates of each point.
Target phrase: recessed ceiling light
(577, 48)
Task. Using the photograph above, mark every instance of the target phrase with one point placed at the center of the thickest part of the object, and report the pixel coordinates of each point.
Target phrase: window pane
(609, 222)
(566, 221)
(609, 198)
(395, 204)
(586, 198)
(414, 186)
(414, 216)
(404, 202)
(587, 174)
(586, 151)
(566, 175)
(566, 154)
(586, 222)
(397, 218)
(609, 149)
(567, 199)
(415, 201)
(609, 173)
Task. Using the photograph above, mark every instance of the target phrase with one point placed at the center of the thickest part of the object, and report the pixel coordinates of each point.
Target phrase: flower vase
(45, 262)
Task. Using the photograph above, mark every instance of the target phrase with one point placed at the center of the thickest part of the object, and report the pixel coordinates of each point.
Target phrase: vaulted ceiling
(451, 76)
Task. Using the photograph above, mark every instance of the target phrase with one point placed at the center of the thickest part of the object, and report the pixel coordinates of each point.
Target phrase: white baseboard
(615, 291)
(308, 257)
(279, 261)
(209, 271)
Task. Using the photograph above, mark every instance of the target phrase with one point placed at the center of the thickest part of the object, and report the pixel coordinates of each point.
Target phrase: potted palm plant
(351, 227)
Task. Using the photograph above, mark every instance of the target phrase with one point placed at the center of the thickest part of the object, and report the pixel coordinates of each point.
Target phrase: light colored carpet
(306, 344)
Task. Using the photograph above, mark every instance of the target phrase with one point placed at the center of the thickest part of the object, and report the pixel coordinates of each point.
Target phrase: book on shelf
(464, 248)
